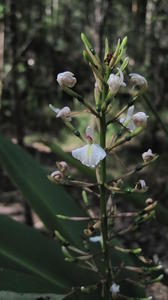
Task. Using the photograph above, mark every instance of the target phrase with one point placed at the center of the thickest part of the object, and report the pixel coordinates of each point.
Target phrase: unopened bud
(62, 166)
(140, 119)
(57, 176)
(66, 79)
(148, 155)
(149, 201)
(138, 80)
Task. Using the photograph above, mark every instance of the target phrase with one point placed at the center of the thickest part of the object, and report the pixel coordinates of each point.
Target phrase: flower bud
(62, 166)
(115, 288)
(66, 79)
(63, 113)
(115, 82)
(140, 119)
(57, 176)
(147, 156)
(138, 80)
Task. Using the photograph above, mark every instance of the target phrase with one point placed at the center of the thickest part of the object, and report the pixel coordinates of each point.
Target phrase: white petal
(89, 155)
(95, 239)
(53, 108)
(130, 112)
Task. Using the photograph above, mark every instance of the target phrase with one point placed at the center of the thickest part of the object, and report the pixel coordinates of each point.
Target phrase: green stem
(104, 225)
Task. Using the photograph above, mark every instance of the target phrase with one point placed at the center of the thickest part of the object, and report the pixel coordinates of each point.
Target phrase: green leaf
(21, 282)
(39, 256)
(46, 198)
(16, 296)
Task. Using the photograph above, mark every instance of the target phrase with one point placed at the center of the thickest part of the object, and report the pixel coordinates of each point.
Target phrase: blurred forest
(39, 39)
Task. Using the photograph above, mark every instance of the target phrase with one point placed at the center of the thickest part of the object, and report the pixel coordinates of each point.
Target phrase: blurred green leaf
(47, 199)
(40, 258)
(16, 296)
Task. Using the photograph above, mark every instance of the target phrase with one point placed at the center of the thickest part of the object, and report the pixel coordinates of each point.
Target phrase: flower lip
(89, 155)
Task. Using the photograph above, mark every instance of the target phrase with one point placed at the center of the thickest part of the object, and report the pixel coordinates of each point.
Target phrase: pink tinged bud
(115, 289)
(140, 119)
(89, 134)
(57, 176)
(148, 155)
(138, 80)
(66, 79)
(63, 113)
(62, 166)
(115, 82)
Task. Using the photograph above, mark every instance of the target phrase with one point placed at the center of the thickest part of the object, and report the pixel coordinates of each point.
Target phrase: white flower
(115, 289)
(115, 82)
(128, 121)
(63, 113)
(62, 166)
(66, 79)
(148, 155)
(91, 154)
(138, 80)
(140, 119)
(132, 121)
(95, 239)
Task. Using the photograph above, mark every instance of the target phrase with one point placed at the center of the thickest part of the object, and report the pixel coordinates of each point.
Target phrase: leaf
(21, 282)
(16, 296)
(47, 199)
(39, 256)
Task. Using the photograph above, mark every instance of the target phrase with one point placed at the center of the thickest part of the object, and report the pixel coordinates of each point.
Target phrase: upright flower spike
(91, 154)
(63, 113)
(66, 79)
(115, 82)
(138, 80)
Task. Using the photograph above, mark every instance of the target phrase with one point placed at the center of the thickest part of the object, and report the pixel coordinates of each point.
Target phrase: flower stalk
(104, 226)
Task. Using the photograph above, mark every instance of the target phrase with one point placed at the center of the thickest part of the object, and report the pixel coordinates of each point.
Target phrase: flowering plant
(101, 229)
(86, 259)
